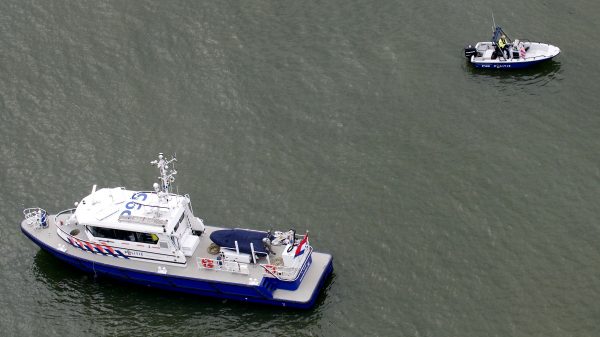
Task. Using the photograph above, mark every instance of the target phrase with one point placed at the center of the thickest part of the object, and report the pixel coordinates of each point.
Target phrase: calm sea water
(455, 202)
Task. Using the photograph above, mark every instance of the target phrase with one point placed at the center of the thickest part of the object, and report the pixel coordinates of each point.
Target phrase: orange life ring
(207, 263)
(271, 268)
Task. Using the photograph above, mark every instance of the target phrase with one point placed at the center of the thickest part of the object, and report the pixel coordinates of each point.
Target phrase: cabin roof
(138, 211)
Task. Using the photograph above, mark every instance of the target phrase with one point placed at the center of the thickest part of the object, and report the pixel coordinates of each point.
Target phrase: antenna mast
(167, 176)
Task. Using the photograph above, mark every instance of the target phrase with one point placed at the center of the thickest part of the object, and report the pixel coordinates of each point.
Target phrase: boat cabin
(147, 225)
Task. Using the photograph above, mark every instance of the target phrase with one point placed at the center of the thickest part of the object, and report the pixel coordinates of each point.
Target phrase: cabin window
(146, 238)
(117, 234)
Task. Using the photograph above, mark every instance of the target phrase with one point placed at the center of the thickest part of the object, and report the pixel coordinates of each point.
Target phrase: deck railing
(58, 223)
(279, 272)
(37, 217)
(220, 265)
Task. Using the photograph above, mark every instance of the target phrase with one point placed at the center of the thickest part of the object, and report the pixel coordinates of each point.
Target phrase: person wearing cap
(504, 46)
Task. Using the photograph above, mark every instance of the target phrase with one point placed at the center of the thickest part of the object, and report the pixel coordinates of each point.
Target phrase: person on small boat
(520, 48)
(504, 47)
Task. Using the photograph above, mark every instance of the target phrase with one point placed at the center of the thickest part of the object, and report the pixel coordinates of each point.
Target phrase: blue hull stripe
(507, 65)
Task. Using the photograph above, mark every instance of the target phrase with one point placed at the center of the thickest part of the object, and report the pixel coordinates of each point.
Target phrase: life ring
(271, 268)
(207, 263)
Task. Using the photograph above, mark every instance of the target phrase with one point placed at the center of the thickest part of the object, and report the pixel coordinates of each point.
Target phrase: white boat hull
(535, 52)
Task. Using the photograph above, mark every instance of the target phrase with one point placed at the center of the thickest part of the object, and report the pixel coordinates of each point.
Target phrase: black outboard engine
(470, 51)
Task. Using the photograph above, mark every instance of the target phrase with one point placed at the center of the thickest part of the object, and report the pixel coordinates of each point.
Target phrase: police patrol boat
(507, 54)
(153, 238)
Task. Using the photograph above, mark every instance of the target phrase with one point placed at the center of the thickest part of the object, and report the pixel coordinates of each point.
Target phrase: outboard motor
(470, 51)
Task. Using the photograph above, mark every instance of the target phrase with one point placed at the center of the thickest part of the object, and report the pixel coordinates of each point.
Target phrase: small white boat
(517, 55)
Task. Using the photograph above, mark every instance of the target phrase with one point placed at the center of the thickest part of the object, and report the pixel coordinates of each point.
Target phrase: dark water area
(456, 202)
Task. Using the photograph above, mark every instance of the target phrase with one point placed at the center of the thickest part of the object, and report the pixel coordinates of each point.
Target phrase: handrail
(71, 210)
(220, 265)
(36, 215)
(287, 270)
(279, 272)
